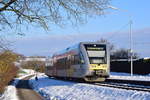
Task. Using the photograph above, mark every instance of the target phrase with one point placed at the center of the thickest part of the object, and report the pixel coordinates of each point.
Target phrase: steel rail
(135, 82)
(116, 83)
(124, 86)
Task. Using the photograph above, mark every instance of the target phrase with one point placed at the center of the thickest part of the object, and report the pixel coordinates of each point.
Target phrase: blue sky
(112, 26)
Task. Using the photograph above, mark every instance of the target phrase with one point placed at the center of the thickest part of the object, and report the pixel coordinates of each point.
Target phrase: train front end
(97, 57)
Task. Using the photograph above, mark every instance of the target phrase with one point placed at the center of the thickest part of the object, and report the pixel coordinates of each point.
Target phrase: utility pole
(131, 38)
(131, 50)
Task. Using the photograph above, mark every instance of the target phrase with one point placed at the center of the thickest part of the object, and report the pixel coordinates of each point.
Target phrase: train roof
(91, 43)
(75, 47)
(67, 49)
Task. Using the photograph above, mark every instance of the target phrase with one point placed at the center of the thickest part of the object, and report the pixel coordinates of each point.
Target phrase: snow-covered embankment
(60, 90)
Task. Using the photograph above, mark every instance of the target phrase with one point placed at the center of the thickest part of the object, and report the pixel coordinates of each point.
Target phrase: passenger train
(86, 60)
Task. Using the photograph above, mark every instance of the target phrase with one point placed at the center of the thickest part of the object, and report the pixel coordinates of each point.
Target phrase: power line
(118, 31)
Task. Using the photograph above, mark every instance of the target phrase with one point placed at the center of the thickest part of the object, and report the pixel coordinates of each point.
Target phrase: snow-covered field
(53, 89)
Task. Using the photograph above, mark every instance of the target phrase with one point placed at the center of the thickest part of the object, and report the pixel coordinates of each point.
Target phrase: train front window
(96, 53)
(97, 60)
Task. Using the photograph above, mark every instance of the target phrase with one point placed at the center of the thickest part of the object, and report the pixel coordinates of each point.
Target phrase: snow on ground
(53, 89)
(10, 91)
(26, 73)
(9, 94)
(127, 76)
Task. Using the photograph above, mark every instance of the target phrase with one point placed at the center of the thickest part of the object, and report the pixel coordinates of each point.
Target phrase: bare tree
(123, 54)
(118, 53)
(4, 44)
(35, 65)
(111, 46)
(16, 12)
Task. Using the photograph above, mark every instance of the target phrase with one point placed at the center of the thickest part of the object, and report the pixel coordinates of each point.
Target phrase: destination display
(95, 48)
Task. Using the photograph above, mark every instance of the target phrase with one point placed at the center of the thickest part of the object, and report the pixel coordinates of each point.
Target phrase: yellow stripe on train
(96, 66)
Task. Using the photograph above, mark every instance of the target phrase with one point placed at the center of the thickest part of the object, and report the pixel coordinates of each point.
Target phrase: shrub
(35, 65)
(7, 68)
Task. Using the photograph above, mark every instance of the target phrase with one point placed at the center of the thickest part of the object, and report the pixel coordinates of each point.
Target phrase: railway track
(121, 84)
(125, 81)
(126, 84)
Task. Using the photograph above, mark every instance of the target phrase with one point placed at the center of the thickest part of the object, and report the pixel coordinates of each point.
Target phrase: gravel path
(25, 92)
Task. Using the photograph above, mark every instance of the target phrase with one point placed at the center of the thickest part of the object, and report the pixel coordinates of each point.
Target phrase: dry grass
(7, 69)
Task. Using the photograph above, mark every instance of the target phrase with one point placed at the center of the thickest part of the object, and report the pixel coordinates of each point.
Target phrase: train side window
(65, 61)
(76, 59)
(61, 62)
(72, 60)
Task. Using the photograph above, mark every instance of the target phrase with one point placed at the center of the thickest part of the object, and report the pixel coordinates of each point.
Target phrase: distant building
(49, 62)
(33, 58)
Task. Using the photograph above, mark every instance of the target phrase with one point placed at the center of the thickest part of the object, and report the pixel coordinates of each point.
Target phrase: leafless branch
(43, 12)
